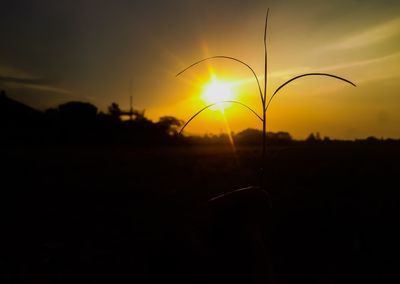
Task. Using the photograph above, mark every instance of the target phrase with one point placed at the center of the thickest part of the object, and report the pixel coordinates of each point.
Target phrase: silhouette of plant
(265, 101)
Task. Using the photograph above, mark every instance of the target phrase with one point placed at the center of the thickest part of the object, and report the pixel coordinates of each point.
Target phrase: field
(140, 215)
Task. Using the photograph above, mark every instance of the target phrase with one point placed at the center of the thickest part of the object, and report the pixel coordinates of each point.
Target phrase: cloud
(289, 73)
(19, 79)
(361, 62)
(11, 72)
(33, 85)
(17, 76)
(48, 88)
(370, 36)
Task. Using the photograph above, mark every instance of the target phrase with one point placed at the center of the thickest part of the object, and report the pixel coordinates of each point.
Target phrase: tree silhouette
(170, 125)
(77, 113)
(114, 111)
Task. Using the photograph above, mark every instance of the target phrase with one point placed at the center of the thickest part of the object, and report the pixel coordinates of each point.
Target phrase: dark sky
(56, 51)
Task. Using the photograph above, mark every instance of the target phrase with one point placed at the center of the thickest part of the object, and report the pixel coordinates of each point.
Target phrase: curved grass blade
(210, 105)
(304, 75)
(265, 56)
(230, 58)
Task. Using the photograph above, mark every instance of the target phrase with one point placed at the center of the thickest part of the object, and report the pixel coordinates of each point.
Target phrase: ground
(116, 214)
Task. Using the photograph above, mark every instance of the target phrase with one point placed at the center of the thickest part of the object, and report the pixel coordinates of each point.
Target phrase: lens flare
(217, 91)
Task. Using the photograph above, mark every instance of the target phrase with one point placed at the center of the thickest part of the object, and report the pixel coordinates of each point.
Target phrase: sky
(102, 51)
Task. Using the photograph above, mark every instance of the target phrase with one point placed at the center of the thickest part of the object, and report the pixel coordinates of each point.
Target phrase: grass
(265, 101)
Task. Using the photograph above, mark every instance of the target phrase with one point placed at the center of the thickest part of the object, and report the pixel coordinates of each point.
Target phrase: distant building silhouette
(132, 113)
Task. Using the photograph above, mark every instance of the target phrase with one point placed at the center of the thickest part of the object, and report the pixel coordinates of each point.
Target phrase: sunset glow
(114, 58)
(217, 91)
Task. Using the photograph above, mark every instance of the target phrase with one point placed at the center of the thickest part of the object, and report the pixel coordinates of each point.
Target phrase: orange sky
(92, 52)
(367, 54)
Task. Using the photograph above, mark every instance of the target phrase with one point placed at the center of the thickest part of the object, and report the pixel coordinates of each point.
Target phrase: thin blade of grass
(304, 75)
(265, 56)
(210, 105)
(229, 58)
(264, 121)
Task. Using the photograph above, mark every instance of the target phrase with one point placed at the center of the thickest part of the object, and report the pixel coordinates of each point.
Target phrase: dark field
(140, 215)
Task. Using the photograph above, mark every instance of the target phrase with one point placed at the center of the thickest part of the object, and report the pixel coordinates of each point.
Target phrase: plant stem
(264, 102)
(263, 155)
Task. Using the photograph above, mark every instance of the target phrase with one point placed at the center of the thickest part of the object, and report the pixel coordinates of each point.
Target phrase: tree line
(81, 122)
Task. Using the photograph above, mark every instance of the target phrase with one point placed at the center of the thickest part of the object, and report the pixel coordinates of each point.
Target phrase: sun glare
(217, 91)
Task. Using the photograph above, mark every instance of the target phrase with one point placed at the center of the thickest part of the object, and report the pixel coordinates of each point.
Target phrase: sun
(218, 91)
